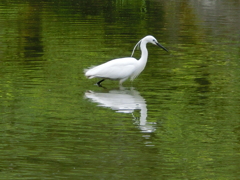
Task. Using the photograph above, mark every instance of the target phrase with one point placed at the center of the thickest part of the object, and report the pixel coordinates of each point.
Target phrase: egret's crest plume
(137, 45)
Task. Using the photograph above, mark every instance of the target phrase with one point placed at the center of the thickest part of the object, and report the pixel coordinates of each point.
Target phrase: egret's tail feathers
(86, 72)
(90, 77)
(87, 69)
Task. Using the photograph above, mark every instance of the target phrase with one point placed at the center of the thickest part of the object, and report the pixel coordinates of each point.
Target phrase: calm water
(180, 119)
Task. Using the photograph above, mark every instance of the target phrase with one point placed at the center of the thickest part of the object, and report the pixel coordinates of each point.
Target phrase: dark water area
(180, 119)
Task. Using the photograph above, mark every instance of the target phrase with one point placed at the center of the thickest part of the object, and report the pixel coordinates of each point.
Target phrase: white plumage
(123, 68)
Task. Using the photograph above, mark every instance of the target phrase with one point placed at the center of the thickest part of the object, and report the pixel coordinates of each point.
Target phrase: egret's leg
(122, 80)
(99, 82)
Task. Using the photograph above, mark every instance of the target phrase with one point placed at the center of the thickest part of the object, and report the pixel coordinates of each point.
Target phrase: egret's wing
(114, 69)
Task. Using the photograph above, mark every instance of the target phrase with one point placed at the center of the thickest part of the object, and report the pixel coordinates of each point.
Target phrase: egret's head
(148, 39)
(154, 41)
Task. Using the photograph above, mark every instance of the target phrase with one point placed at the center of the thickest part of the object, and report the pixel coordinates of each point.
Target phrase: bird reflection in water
(124, 101)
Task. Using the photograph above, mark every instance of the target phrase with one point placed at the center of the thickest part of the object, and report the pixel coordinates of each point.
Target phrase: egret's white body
(123, 68)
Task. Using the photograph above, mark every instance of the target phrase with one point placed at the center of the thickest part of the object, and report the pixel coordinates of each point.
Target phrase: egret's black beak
(161, 46)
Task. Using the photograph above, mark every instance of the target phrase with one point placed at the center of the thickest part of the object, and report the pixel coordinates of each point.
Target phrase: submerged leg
(99, 82)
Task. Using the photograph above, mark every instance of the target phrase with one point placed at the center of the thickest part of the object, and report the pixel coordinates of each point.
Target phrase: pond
(180, 119)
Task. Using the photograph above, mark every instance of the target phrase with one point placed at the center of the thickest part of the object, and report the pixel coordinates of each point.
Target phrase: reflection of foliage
(193, 92)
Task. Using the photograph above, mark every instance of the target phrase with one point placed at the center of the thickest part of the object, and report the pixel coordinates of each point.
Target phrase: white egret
(123, 68)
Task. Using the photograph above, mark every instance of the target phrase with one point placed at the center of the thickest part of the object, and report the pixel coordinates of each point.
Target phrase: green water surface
(180, 119)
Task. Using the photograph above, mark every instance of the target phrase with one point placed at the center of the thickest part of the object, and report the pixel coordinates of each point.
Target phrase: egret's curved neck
(144, 54)
(142, 61)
